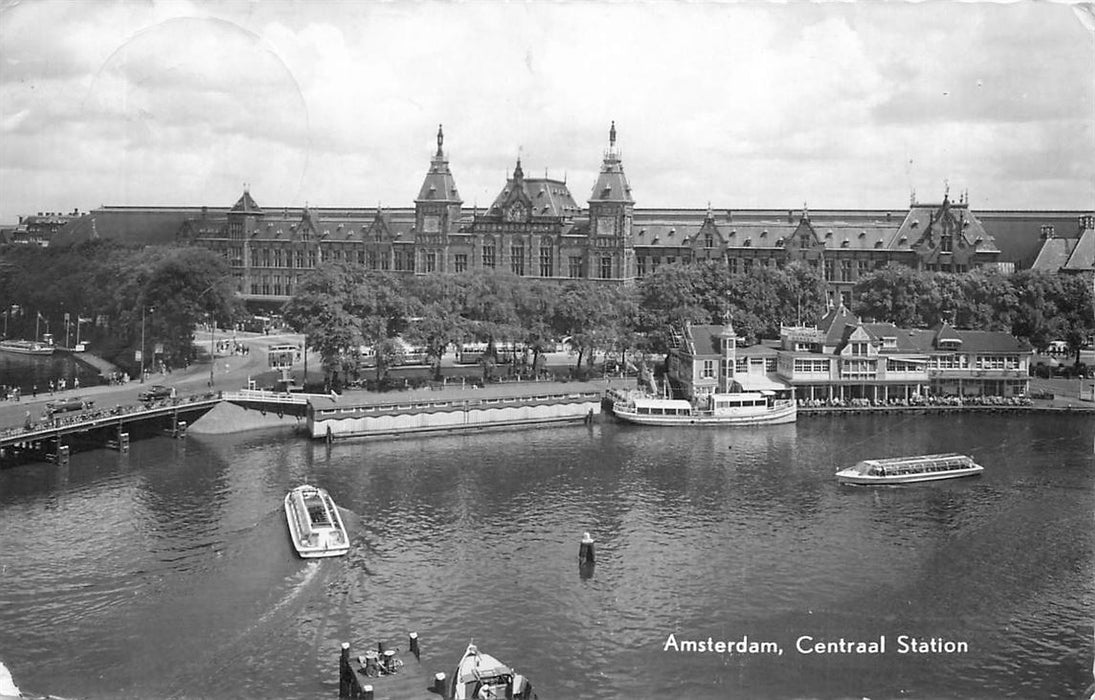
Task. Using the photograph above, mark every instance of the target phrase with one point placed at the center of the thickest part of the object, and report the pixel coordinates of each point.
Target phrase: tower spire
(440, 139)
(612, 135)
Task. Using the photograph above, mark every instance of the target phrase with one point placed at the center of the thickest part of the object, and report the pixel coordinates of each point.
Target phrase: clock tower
(612, 252)
(437, 207)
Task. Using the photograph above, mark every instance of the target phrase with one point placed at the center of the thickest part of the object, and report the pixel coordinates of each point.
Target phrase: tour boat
(480, 676)
(315, 524)
(909, 470)
(26, 347)
(746, 408)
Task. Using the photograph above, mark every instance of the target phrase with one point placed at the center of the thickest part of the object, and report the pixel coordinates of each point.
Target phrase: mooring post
(367, 692)
(439, 684)
(348, 685)
(585, 549)
(414, 645)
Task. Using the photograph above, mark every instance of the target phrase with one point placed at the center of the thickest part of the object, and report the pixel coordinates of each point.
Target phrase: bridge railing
(276, 397)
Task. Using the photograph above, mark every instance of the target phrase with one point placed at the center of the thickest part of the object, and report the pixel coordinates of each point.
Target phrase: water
(168, 573)
(24, 371)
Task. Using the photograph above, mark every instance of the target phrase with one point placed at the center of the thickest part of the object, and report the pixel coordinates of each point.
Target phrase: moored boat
(480, 676)
(909, 470)
(26, 347)
(315, 524)
(743, 408)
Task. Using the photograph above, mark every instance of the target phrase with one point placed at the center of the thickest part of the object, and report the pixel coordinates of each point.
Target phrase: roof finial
(946, 189)
(805, 211)
(440, 139)
(612, 134)
(912, 196)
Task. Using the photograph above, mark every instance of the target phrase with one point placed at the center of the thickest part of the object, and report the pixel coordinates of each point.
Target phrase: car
(158, 391)
(74, 403)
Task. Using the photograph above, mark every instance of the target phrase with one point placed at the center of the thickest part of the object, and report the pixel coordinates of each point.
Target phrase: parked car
(157, 391)
(74, 403)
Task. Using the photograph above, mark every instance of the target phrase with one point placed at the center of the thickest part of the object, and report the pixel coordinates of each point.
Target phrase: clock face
(516, 212)
(606, 226)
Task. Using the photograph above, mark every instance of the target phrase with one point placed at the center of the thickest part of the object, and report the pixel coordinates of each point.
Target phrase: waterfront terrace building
(706, 359)
(843, 358)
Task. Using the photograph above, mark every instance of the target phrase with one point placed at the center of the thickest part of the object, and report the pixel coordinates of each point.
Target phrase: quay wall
(837, 411)
(227, 417)
(454, 415)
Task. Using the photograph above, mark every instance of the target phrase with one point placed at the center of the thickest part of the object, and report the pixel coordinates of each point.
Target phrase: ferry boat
(910, 470)
(744, 408)
(480, 676)
(315, 524)
(26, 347)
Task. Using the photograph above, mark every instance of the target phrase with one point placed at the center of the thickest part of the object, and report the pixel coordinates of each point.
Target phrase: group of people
(917, 400)
(15, 393)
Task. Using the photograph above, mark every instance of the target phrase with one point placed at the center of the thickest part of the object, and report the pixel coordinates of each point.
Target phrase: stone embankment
(225, 418)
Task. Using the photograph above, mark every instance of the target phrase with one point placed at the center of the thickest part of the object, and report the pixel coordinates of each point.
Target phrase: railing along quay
(45, 439)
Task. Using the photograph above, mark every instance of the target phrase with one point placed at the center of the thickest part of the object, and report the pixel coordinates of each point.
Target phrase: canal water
(26, 371)
(167, 572)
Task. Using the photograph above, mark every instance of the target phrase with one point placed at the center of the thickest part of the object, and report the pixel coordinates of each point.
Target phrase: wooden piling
(348, 684)
(439, 684)
(414, 645)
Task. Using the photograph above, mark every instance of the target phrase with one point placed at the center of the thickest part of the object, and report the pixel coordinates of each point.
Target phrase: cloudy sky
(740, 104)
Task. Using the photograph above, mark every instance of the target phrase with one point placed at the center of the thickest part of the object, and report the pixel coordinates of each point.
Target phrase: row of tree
(128, 295)
(164, 293)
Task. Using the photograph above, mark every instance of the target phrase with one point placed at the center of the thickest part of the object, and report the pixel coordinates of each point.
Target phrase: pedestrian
(51, 387)
(27, 424)
(76, 383)
(34, 391)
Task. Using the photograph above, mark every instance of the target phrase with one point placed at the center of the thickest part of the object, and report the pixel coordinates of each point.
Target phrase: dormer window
(764, 233)
(878, 244)
(915, 223)
(904, 240)
(708, 240)
(829, 233)
(862, 234)
(844, 243)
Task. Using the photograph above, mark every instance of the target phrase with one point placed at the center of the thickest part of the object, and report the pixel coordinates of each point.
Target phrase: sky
(737, 104)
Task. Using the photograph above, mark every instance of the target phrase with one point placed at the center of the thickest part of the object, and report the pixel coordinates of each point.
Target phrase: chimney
(1047, 231)
(1087, 222)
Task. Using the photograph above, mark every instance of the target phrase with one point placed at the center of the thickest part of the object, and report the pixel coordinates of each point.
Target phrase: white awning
(759, 382)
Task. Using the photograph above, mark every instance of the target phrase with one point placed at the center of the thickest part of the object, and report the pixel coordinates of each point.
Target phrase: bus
(470, 353)
(282, 356)
(366, 357)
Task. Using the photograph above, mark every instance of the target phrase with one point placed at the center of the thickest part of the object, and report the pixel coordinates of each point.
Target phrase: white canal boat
(480, 676)
(909, 470)
(26, 347)
(315, 524)
(745, 408)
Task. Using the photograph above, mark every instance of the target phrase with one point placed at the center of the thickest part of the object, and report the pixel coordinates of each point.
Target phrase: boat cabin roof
(663, 403)
(905, 461)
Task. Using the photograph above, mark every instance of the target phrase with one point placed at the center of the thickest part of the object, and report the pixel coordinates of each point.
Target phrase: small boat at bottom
(315, 524)
(480, 676)
(909, 470)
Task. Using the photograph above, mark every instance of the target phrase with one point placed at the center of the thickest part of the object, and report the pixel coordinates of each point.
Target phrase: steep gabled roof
(245, 204)
(703, 340)
(439, 185)
(1083, 255)
(611, 185)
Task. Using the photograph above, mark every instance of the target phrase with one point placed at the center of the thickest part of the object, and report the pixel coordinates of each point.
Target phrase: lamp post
(212, 346)
(150, 309)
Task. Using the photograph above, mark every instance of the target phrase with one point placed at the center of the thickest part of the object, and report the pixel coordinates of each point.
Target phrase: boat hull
(869, 480)
(312, 537)
(774, 416)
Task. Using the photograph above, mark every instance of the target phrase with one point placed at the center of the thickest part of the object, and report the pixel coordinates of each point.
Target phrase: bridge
(52, 439)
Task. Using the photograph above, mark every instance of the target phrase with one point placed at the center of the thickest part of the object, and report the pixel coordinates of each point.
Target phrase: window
(741, 365)
(460, 262)
(547, 267)
(708, 371)
(859, 348)
(845, 270)
(810, 366)
(431, 261)
(385, 260)
(370, 259)
(640, 263)
(747, 265)
(732, 264)
(946, 242)
(517, 259)
(277, 259)
(606, 267)
(575, 267)
(311, 258)
(828, 270)
(864, 268)
(708, 240)
(488, 255)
